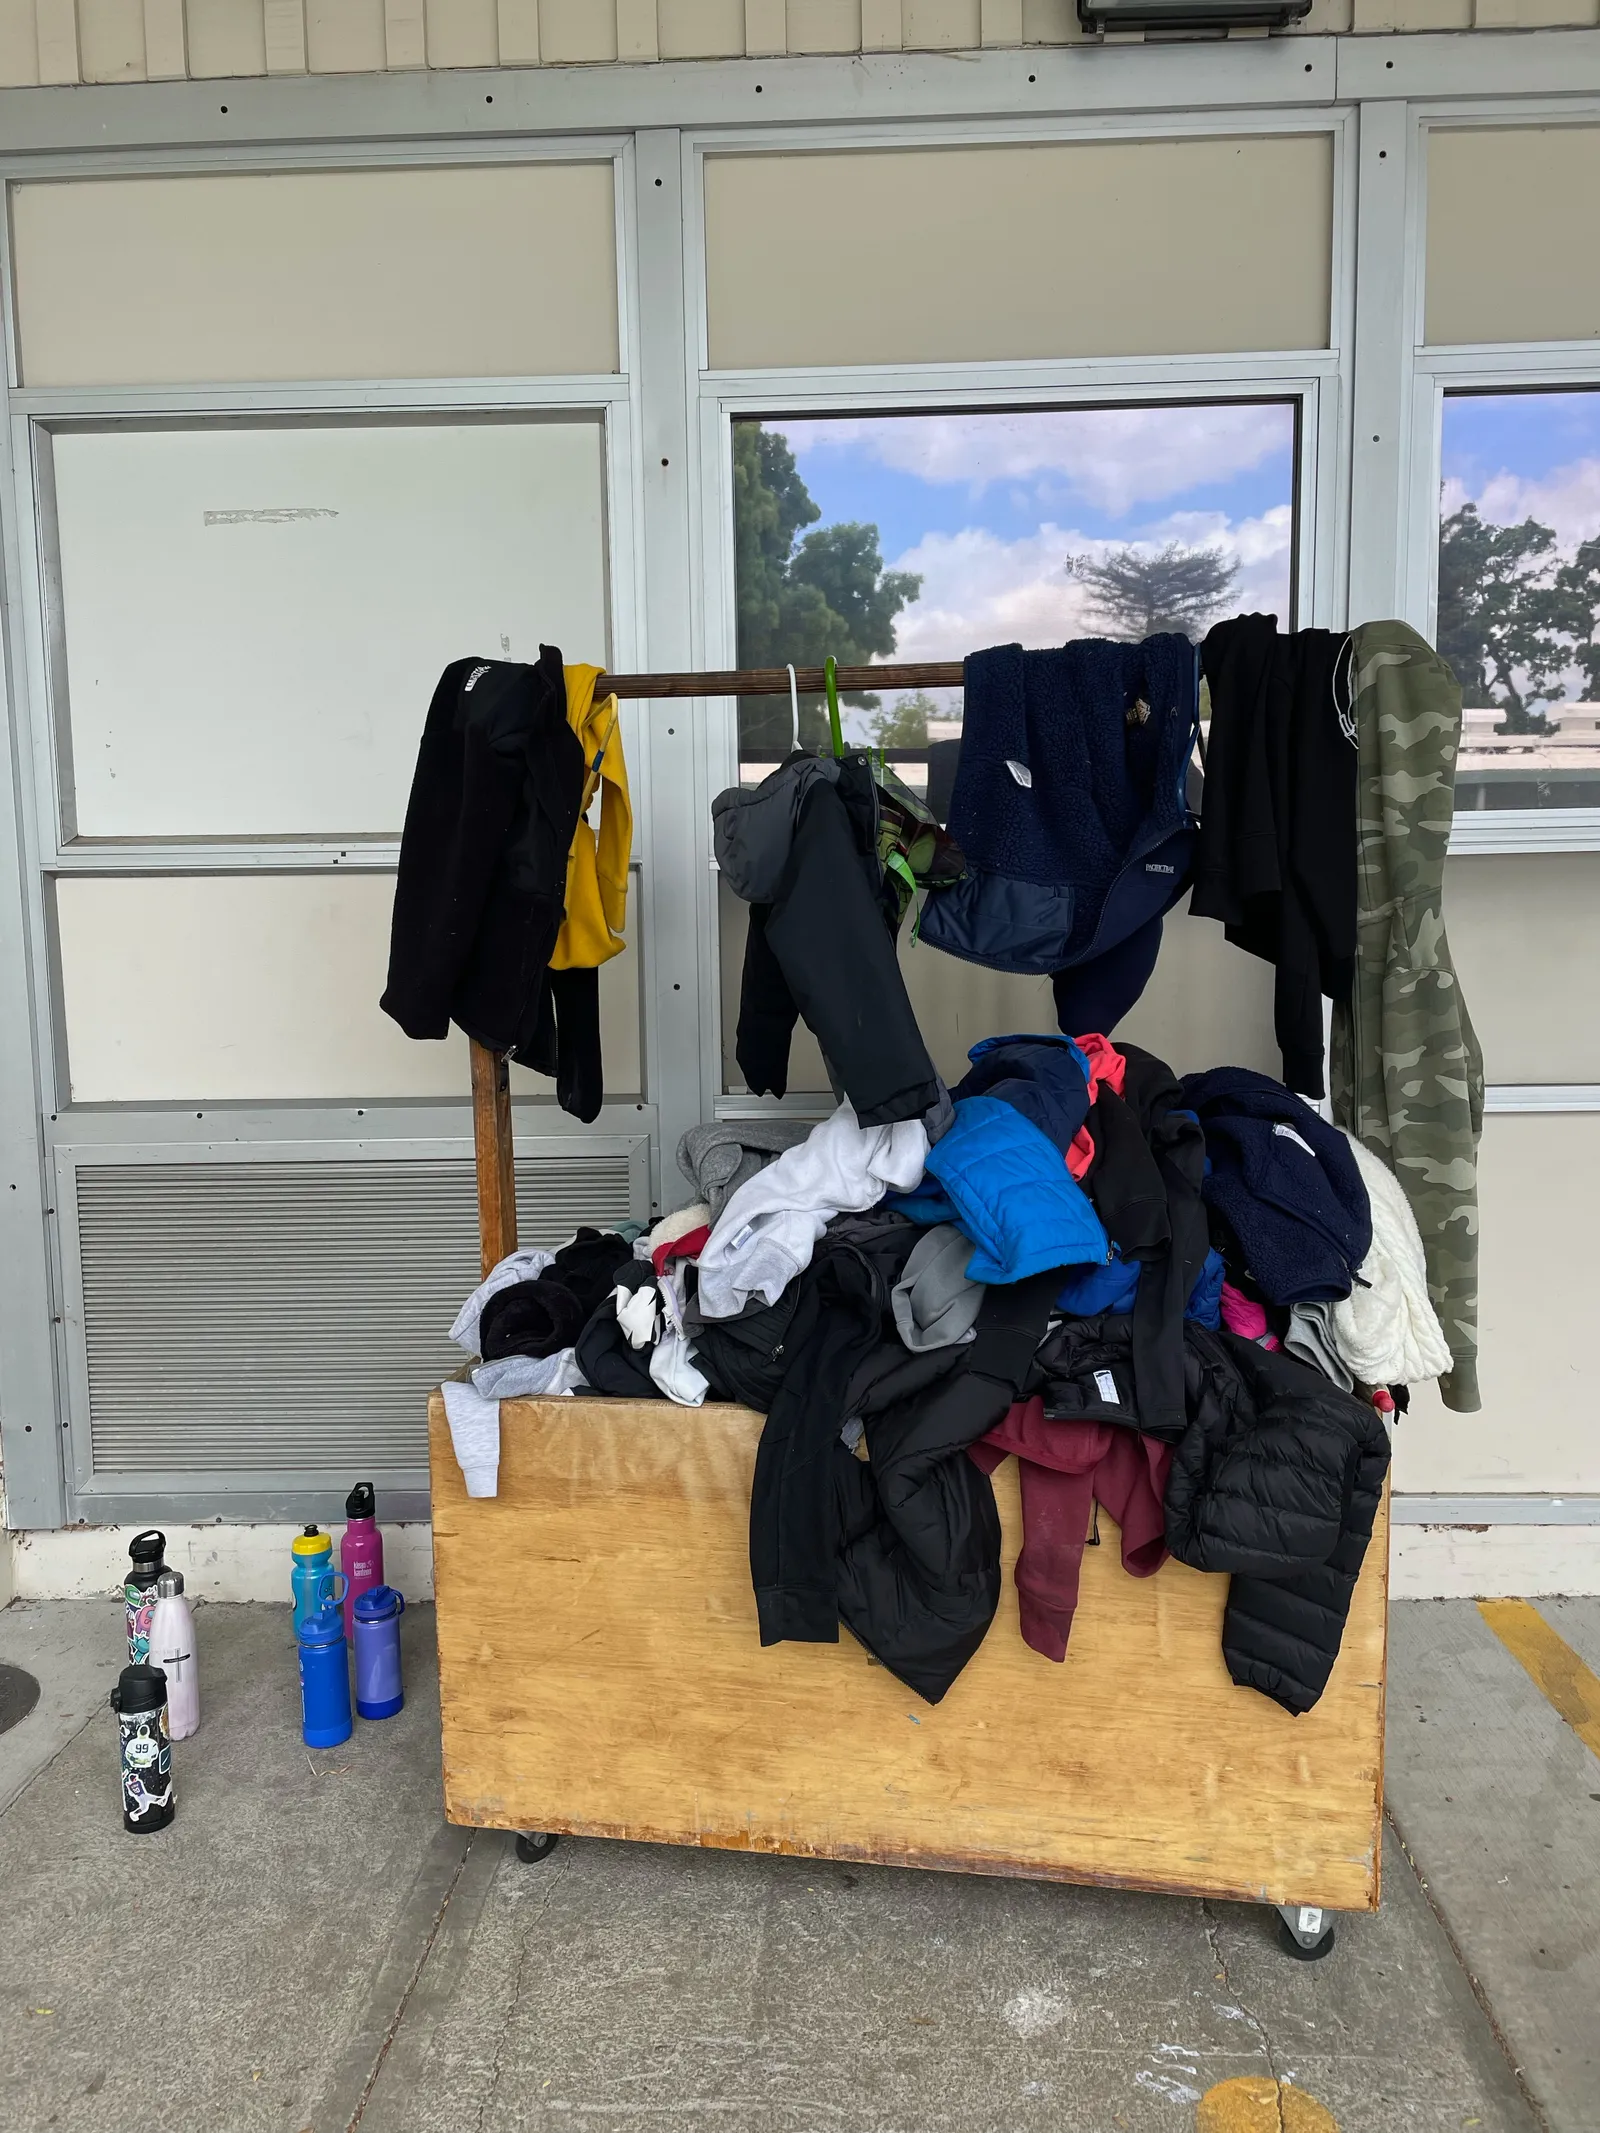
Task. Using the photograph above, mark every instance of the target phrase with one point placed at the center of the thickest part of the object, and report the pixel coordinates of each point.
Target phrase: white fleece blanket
(1388, 1331)
(766, 1233)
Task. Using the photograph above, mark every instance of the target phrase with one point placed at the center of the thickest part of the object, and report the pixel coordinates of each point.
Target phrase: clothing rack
(774, 681)
(491, 1085)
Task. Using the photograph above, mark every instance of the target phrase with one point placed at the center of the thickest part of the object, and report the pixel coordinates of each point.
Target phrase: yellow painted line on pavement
(1551, 1665)
(1254, 2103)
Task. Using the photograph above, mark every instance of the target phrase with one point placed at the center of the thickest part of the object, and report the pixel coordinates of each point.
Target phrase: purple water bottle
(378, 1690)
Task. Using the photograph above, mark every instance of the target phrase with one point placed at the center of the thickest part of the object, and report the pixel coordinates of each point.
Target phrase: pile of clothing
(1194, 1303)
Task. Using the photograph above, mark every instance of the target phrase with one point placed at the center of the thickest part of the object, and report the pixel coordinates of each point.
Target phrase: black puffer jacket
(1277, 1479)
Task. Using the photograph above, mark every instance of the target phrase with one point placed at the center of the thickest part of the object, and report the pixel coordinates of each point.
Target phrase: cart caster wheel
(535, 1844)
(1305, 1932)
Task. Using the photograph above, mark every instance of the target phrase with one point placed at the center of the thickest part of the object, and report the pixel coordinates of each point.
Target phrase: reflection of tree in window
(1137, 592)
(1513, 618)
(800, 600)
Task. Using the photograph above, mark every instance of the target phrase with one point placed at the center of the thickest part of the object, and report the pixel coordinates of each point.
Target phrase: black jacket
(820, 946)
(1276, 1479)
(1145, 1179)
(1276, 860)
(480, 893)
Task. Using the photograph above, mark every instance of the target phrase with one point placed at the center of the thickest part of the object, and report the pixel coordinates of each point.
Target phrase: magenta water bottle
(360, 1551)
(378, 1690)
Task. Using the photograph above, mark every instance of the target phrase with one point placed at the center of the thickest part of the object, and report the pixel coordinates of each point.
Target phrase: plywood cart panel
(601, 1675)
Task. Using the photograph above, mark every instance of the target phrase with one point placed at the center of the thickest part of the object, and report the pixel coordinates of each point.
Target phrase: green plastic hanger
(830, 679)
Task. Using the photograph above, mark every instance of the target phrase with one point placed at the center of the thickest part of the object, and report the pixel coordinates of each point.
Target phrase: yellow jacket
(597, 867)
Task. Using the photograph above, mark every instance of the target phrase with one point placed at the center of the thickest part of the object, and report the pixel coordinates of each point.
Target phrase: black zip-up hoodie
(481, 889)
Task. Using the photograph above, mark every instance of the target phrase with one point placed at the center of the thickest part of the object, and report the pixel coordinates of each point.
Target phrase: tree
(1503, 612)
(1135, 593)
(1577, 586)
(830, 593)
(905, 725)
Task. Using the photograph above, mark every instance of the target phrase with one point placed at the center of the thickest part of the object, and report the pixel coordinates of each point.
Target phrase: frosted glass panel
(254, 618)
(251, 987)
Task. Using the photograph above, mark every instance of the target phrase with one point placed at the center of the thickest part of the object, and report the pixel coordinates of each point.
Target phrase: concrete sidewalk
(310, 1949)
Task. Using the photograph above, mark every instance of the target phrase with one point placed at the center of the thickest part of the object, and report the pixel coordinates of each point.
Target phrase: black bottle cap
(361, 1502)
(312, 1531)
(148, 1547)
(139, 1688)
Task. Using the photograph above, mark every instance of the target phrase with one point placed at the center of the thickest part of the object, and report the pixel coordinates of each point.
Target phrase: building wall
(60, 41)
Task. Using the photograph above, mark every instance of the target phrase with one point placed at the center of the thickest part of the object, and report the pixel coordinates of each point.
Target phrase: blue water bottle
(312, 1578)
(324, 1679)
(378, 1690)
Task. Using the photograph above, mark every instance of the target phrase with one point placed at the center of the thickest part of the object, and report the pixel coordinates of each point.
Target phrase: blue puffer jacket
(1070, 806)
(1003, 1183)
(1109, 1291)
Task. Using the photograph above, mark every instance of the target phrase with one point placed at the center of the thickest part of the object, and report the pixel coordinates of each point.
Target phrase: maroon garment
(1068, 1464)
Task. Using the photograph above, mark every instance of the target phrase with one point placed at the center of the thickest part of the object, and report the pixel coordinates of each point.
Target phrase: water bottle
(378, 1690)
(360, 1550)
(140, 1702)
(324, 1679)
(146, 1553)
(172, 1649)
(312, 1575)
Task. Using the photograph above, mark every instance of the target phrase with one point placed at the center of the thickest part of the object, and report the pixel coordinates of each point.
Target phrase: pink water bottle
(360, 1551)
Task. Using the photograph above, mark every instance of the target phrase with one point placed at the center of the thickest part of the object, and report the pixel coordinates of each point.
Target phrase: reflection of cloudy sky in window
(1522, 455)
(988, 508)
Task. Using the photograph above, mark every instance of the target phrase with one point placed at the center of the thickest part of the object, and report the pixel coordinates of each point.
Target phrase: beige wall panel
(972, 253)
(1207, 1004)
(1327, 18)
(1533, 14)
(1539, 1182)
(226, 37)
(824, 25)
(345, 37)
(1523, 929)
(463, 33)
(700, 29)
(1050, 22)
(881, 26)
(19, 44)
(638, 31)
(264, 988)
(350, 274)
(1513, 234)
(941, 25)
(577, 30)
(111, 39)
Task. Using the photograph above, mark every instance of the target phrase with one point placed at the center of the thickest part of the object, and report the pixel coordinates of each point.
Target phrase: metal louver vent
(290, 1316)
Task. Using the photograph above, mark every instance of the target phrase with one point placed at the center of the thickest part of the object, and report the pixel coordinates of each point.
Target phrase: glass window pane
(926, 537)
(252, 617)
(1519, 595)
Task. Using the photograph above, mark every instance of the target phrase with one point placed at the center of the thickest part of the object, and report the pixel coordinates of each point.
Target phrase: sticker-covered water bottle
(146, 1561)
(140, 1702)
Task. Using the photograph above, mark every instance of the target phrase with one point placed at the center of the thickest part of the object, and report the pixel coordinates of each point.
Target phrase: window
(1519, 594)
(927, 536)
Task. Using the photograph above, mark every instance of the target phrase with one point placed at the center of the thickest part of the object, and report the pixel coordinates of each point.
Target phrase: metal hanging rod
(774, 681)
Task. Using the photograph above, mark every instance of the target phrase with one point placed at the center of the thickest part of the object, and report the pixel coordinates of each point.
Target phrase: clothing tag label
(1106, 1385)
(1021, 772)
(737, 1244)
(1289, 1134)
(473, 680)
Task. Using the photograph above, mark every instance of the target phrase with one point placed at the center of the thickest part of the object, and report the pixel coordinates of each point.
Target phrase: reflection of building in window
(1558, 768)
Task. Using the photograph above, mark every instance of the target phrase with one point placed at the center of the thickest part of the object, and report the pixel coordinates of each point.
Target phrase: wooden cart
(601, 1674)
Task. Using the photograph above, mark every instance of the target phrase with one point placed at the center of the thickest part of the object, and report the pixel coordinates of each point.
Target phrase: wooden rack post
(492, 1145)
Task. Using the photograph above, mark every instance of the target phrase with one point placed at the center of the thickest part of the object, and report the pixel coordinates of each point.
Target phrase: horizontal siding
(50, 41)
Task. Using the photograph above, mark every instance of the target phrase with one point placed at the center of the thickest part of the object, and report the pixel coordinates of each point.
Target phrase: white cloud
(1109, 457)
(1567, 499)
(978, 589)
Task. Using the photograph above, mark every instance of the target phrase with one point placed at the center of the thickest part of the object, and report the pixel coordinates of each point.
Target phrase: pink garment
(1242, 1315)
(1106, 1065)
(1067, 1465)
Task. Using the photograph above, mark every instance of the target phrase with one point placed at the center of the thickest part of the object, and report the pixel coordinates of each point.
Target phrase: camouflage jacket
(1407, 1075)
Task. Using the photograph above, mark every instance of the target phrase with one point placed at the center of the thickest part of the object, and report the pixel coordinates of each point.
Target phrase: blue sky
(988, 507)
(1522, 454)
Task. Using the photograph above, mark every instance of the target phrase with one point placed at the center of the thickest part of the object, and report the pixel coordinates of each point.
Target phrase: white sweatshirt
(766, 1233)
